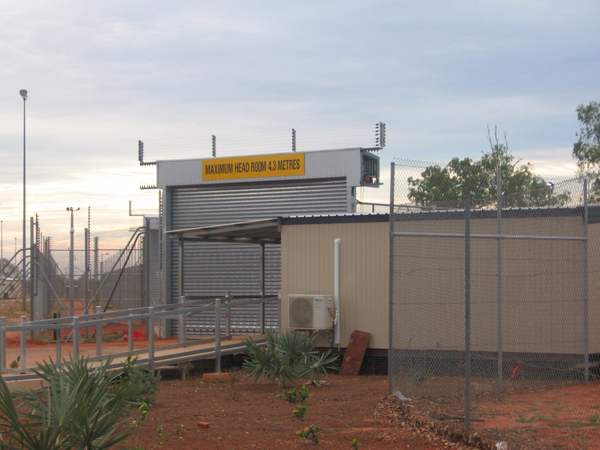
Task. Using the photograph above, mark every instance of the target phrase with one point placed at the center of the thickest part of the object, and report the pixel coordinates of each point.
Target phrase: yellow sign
(253, 167)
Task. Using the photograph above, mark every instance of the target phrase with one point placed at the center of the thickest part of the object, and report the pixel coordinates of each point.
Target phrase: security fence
(490, 288)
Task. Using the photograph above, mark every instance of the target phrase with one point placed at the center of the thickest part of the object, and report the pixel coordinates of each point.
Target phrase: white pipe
(336, 289)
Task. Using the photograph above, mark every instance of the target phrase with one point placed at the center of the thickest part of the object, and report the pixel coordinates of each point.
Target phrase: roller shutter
(215, 268)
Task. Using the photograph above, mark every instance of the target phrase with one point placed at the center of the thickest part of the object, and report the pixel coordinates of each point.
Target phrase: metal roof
(251, 232)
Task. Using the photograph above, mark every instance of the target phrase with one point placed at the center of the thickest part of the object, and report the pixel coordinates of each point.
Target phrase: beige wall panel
(544, 316)
(308, 268)
(594, 287)
(542, 286)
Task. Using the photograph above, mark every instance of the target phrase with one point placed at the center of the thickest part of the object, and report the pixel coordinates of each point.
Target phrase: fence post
(586, 300)
(58, 338)
(262, 317)
(182, 321)
(2, 344)
(151, 339)
(228, 315)
(391, 284)
(467, 315)
(75, 338)
(99, 334)
(130, 330)
(218, 335)
(499, 259)
(23, 363)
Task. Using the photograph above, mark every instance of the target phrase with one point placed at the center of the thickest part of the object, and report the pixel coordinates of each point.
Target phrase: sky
(103, 75)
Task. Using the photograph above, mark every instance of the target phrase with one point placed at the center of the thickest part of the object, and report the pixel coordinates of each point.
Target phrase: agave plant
(74, 408)
(287, 358)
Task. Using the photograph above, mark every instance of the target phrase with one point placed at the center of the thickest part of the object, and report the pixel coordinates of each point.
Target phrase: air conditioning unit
(310, 312)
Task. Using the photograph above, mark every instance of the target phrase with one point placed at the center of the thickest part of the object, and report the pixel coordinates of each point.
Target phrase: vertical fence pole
(151, 339)
(2, 344)
(181, 291)
(218, 335)
(58, 338)
(262, 318)
(99, 334)
(75, 338)
(228, 315)
(586, 301)
(467, 315)
(182, 323)
(23, 364)
(130, 331)
(499, 207)
(391, 285)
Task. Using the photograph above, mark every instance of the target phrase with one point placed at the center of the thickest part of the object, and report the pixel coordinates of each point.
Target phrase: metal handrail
(149, 314)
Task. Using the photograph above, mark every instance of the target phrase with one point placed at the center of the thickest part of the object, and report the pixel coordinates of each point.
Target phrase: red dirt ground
(565, 417)
(244, 415)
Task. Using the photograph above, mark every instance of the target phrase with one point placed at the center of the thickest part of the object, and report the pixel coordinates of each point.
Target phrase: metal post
(72, 263)
(391, 285)
(181, 292)
(87, 268)
(32, 276)
(467, 315)
(75, 338)
(262, 268)
(182, 321)
(227, 300)
(99, 334)
(218, 335)
(58, 338)
(499, 262)
(22, 363)
(2, 344)
(130, 330)
(23, 93)
(262, 318)
(151, 338)
(586, 275)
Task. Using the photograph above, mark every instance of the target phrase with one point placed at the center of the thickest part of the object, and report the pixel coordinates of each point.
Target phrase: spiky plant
(287, 358)
(76, 407)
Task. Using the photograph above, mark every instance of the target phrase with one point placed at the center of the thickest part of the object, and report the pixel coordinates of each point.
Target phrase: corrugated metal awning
(254, 231)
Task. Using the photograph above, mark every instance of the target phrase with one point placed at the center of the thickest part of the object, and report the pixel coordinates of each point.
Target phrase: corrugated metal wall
(213, 269)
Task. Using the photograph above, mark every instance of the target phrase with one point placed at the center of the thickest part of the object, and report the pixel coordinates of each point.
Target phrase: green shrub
(294, 396)
(287, 358)
(138, 375)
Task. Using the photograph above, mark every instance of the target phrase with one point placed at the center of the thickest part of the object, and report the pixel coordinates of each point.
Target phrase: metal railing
(150, 315)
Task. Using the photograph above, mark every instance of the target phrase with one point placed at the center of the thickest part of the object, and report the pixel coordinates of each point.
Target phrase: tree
(587, 149)
(7, 269)
(465, 179)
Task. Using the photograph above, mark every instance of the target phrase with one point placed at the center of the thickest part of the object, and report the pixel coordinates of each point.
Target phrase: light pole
(23, 93)
(71, 263)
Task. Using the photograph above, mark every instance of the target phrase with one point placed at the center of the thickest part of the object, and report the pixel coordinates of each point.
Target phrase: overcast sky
(103, 75)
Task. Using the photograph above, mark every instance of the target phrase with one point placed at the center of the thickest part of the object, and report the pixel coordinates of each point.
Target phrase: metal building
(216, 191)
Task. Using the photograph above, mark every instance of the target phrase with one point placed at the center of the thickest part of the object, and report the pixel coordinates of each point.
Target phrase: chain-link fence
(121, 280)
(491, 292)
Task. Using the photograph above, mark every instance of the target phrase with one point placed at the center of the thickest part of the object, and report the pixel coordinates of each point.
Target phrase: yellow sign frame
(263, 166)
